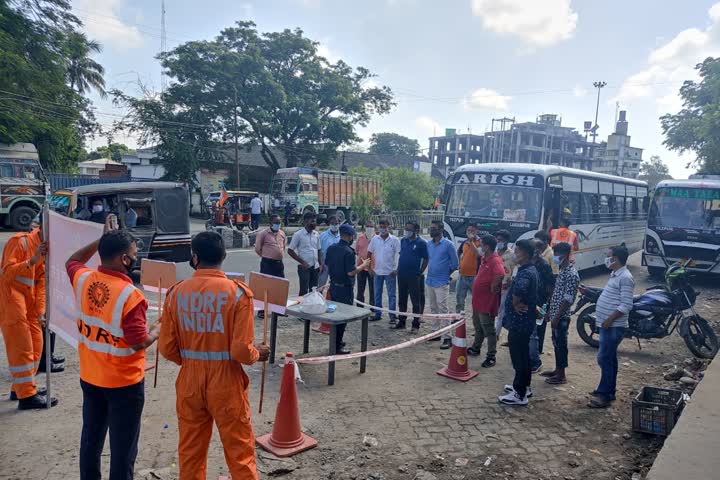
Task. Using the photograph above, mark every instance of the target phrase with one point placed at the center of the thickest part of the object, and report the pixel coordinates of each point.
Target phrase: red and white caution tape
(391, 348)
(451, 316)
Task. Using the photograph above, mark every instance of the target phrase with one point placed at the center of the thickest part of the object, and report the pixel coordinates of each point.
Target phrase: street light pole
(599, 86)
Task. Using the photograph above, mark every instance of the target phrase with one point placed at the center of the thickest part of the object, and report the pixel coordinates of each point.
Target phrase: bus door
(553, 199)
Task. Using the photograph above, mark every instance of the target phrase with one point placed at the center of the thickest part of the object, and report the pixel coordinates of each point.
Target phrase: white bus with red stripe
(604, 210)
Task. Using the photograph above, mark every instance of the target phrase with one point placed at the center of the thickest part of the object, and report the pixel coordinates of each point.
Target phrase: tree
(36, 103)
(404, 189)
(393, 144)
(113, 151)
(83, 72)
(654, 171)
(696, 128)
(282, 92)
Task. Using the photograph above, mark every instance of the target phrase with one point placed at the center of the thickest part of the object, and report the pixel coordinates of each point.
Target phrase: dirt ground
(397, 421)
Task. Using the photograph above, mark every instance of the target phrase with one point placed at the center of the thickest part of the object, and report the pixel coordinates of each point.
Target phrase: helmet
(674, 274)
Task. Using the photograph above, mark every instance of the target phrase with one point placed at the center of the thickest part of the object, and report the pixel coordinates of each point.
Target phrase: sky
(452, 63)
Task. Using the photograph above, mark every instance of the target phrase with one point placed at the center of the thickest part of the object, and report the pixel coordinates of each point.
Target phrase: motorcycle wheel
(700, 338)
(586, 326)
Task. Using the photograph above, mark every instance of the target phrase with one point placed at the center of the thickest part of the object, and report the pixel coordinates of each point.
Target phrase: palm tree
(84, 73)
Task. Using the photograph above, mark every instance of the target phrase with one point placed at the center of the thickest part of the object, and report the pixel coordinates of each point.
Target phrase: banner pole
(157, 346)
(48, 344)
(265, 331)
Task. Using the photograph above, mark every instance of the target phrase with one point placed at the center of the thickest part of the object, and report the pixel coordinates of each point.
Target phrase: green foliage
(654, 171)
(364, 171)
(37, 105)
(84, 73)
(696, 128)
(113, 151)
(364, 204)
(404, 189)
(284, 94)
(393, 144)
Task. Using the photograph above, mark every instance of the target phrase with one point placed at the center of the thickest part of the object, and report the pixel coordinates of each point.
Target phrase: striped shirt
(617, 295)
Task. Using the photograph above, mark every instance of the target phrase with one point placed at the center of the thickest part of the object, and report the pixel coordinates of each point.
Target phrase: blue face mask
(409, 233)
(557, 260)
(275, 227)
(334, 228)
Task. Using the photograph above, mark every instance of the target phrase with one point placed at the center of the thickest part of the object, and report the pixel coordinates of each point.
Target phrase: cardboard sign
(153, 272)
(277, 291)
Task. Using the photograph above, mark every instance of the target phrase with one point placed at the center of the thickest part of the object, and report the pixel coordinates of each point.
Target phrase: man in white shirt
(383, 251)
(304, 248)
(255, 212)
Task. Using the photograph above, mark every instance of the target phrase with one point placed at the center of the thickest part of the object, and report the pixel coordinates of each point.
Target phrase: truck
(323, 192)
(23, 185)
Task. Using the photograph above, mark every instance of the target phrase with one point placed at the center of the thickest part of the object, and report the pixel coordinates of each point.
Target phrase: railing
(399, 219)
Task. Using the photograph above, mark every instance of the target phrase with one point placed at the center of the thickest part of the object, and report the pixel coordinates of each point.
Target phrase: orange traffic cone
(324, 328)
(287, 439)
(457, 368)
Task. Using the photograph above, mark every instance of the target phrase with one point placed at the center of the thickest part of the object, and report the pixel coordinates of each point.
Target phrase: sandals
(556, 381)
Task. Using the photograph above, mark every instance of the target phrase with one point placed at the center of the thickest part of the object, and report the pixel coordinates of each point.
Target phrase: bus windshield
(500, 202)
(681, 207)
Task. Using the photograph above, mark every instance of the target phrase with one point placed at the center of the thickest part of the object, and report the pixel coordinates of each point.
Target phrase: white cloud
(486, 99)
(673, 62)
(325, 51)
(579, 91)
(101, 23)
(538, 23)
(428, 127)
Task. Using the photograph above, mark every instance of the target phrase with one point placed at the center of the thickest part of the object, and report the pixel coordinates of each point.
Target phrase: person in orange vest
(112, 340)
(563, 234)
(208, 331)
(22, 295)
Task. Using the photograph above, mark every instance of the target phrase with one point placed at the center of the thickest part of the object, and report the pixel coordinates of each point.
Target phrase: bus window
(606, 188)
(619, 189)
(629, 209)
(589, 186)
(604, 209)
(589, 208)
(571, 205)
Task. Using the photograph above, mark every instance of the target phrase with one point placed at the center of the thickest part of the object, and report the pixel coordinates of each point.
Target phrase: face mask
(369, 231)
(409, 233)
(608, 262)
(97, 208)
(515, 258)
(129, 267)
(334, 228)
(501, 246)
(383, 230)
(275, 227)
(557, 260)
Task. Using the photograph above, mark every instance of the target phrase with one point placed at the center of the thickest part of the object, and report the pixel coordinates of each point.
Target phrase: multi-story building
(616, 156)
(544, 142)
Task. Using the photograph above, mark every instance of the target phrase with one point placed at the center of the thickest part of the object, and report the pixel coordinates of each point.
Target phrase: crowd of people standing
(522, 289)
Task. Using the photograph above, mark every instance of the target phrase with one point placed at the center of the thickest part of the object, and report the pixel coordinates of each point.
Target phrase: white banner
(67, 235)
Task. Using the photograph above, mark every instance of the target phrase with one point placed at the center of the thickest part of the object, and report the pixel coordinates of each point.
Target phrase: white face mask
(501, 246)
(383, 230)
(409, 233)
(97, 208)
(608, 262)
(334, 228)
(369, 231)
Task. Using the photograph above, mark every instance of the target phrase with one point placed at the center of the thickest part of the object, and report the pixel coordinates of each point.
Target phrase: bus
(604, 210)
(684, 224)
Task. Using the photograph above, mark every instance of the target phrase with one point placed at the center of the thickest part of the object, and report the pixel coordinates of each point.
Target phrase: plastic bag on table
(314, 303)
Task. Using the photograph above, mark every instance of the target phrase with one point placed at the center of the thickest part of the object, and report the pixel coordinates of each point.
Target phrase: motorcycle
(657, 313)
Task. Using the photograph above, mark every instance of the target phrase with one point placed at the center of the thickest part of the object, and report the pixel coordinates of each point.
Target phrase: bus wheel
(656, 271)
(21, 218)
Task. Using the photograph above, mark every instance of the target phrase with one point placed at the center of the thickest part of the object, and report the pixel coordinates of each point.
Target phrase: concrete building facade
(616, 156)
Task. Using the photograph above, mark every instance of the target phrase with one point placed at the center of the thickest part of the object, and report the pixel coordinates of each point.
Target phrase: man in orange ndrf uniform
(208, 331)
(563, 234)
(112, 338)
(22, 295)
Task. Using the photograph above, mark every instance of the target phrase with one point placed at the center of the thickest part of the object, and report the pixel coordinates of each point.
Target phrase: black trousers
(255, 220)
(541, 336)
(519, 343)
(116, 409)
(42, 366)
(341, 294)
(308, 278)
(364, 278)
(276, 268)
(412, 286)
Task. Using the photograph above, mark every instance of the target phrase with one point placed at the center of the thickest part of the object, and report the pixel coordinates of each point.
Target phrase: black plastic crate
(656, 410)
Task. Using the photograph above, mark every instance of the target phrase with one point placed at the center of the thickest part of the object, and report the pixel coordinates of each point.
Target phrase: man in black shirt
(340, 262)
(546, 283)
(520, 305)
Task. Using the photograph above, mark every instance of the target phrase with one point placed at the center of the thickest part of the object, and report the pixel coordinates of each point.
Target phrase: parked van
(156, 213)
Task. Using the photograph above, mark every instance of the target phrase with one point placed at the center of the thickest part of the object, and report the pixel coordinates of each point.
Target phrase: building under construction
(544, 142)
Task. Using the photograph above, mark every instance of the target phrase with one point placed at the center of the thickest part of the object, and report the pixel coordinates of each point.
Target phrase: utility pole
(599, 86)
(235, 129)
(163, 45)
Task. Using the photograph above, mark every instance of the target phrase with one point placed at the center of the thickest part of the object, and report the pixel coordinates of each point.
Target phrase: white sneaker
(510, 389)
(513, 399)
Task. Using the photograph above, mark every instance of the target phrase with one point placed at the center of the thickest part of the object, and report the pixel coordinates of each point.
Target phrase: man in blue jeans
(611, 316)
(383, 252)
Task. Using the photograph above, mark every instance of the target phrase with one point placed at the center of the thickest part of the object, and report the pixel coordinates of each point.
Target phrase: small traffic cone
(457, 368)
(287, 439)
(324, 328)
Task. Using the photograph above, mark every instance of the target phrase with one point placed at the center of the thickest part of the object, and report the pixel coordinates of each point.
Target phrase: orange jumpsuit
(22, 297)
(207, 329)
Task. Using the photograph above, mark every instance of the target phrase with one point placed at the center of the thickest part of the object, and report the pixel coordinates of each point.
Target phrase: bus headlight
(651, 246)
